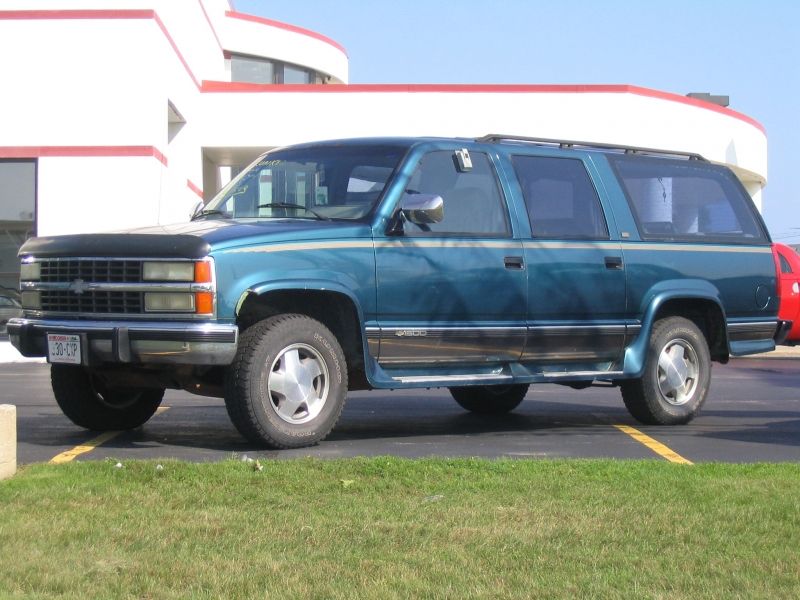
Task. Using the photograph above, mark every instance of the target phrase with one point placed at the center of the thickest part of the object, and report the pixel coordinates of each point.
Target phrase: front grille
(99, 302)
(95, 271)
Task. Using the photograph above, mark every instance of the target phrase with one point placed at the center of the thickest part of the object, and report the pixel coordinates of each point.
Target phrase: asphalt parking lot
(752, 414)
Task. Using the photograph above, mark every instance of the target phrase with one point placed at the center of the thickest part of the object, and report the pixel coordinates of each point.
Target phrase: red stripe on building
(641, 91)
(442, 88)
(82, 151)
(210, 24)
(172, 43)
(194, 188)
(42, 15)
(286, 27)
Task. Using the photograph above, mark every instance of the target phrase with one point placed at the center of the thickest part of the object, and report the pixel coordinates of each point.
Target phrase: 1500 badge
(411, 333)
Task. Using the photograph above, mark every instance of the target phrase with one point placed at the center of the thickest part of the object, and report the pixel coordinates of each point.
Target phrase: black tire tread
(238, 375)
(74, 394)
(639, 395)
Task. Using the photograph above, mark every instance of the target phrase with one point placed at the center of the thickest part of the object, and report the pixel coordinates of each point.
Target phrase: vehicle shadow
(372, 429)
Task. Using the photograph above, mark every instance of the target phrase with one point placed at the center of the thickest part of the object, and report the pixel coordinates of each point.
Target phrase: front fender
(318, 285)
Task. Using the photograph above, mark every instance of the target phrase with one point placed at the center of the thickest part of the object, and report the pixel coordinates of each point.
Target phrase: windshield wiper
(210, 211)
(292, 205)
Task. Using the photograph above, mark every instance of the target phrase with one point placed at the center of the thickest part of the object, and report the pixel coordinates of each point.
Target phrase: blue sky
(745, 49)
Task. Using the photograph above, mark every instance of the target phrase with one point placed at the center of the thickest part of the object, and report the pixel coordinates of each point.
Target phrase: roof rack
(572, 144)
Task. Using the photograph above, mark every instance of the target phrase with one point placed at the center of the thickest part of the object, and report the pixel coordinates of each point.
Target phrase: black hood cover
(133, 245)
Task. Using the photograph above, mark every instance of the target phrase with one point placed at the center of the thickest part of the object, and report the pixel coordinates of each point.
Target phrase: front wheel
(676, 377)
(287, 384)
(489, 399)
(88, 402)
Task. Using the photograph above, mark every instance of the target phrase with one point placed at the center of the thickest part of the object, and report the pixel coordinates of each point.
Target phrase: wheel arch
(700, 304)
(327, 302)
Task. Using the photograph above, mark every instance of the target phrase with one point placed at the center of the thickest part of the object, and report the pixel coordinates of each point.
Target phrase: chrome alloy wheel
(298, 383)
(677, 372)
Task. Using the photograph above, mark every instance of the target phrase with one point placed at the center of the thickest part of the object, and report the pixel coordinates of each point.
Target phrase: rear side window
(687, 201)
(560, 198)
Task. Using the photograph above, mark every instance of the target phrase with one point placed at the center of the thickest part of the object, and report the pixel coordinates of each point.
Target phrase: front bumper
(132, 341)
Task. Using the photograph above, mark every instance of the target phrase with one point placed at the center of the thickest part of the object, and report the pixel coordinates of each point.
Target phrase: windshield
(322, 182)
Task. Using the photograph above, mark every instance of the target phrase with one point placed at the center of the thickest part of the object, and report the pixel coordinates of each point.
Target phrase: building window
(17, 214)
(251, 69)
(296, 75)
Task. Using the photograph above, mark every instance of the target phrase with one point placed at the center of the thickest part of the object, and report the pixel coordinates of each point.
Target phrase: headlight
(168, 271)
(32, 300)
(168, 302)
(30, 271)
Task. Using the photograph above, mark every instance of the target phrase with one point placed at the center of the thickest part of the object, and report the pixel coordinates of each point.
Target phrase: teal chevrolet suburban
(483, 266)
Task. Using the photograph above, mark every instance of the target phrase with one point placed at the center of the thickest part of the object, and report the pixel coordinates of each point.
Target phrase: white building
(120, 113)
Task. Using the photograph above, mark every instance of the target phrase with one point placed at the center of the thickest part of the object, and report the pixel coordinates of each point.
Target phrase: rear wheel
(88, 402)
(287, 384)
(489, 399)
(676, 378)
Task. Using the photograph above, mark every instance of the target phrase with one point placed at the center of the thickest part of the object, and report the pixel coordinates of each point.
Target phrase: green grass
(391, 528)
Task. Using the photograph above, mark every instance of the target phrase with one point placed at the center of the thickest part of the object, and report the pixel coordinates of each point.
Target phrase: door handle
(514, 262)
(613, 263)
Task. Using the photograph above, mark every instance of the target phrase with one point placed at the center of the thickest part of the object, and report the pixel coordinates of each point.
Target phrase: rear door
(576, 274)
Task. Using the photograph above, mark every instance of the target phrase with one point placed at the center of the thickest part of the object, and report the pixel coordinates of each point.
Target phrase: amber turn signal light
(202, 272)
(203, 302)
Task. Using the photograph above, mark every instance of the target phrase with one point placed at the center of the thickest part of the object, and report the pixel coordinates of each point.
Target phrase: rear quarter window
(687, 201)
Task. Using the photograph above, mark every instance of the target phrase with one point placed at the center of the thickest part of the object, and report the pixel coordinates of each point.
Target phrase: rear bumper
(132, 342)
(784, 327)
(754, 337)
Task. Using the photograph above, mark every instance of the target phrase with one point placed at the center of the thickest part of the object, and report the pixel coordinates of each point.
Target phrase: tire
(490, 399)
(89, 403)
(676, 376)
(273, 410)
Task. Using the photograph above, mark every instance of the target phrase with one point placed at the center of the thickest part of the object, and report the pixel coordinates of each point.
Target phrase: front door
(453, 291)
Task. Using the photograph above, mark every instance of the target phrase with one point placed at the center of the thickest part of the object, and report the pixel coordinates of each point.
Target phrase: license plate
(63, 348)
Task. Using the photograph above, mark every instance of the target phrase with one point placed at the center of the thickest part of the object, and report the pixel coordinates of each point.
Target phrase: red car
(787, 262)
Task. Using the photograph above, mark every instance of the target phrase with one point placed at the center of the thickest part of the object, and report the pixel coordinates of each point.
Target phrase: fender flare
(313, 285)
(655, 299)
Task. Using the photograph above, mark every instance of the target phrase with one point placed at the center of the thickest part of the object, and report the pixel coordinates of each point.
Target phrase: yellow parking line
(73, 453)
(654, 445)
(83, 448)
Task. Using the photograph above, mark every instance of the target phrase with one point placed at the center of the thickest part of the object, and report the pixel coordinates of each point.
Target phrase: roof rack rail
(569, 144)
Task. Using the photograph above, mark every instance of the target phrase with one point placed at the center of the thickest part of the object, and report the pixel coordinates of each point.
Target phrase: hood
(188, 240)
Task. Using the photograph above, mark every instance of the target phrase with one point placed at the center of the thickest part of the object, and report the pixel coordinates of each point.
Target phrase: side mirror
(422, 209)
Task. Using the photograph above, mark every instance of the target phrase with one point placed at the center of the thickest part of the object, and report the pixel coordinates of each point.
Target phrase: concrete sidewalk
(781, 352)
(9, 354)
